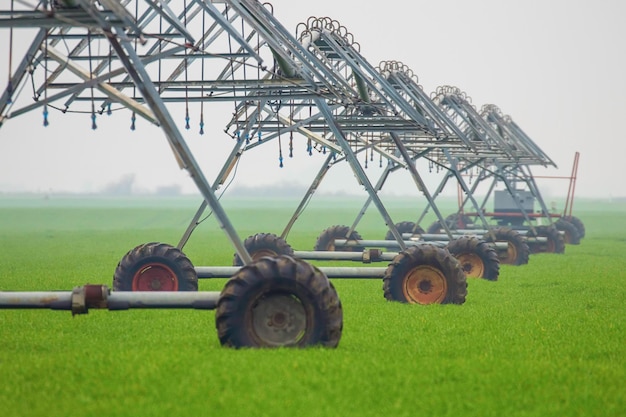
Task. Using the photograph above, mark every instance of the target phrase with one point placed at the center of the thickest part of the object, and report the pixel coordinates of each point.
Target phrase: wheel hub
(279, 320)
(472, 265)
(155, 277)
(425, 285)
(511, 254)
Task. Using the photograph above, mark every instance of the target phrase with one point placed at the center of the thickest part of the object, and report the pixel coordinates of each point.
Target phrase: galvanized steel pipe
(331, 272)
(81, 299)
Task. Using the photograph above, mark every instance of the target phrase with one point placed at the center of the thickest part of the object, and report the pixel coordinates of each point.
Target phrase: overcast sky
(558, 68)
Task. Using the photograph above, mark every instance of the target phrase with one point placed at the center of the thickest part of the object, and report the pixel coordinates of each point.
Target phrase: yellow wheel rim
(425, 285)
(511, 254)
(472, 265)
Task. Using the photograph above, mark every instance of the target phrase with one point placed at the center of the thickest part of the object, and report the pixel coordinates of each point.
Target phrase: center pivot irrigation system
(386, 124)
(312, 88)
(508, 161)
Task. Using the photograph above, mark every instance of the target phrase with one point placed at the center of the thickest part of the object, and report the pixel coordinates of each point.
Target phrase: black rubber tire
(405, 227)
(458, 221)
(452, 221)
(555, 244)
(264, 244)
(478, 259)
(422, 272)
(326, 241)
(577, 223)
(155, 267)
(518, 251)
(434, 228)
(570, 232)
(288, 282)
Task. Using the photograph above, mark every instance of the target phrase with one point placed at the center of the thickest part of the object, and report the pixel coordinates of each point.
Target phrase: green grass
(547, 339)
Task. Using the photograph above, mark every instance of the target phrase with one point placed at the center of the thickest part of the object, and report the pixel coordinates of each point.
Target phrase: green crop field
(547, 339)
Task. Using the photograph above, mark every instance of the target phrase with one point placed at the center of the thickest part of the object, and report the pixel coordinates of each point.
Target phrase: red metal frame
(569, 203)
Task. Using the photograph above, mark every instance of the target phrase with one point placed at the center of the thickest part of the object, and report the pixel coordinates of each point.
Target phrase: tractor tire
(570, 232)
(458, 221)
(155, 267)
(453, 221)
(264, 244)
(405, 227)
(577, 223)
(434, 228)
(326, 241)
(425, 274)
(517, 252)
(555, 243)
(478, 259)
(279, 302)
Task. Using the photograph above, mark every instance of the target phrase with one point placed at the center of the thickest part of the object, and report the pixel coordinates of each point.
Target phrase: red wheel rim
(155, 277)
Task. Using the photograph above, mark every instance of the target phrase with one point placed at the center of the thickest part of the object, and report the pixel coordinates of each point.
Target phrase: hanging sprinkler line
(186, 73)
(45, 91)
(109, 112)
(231, 61)
(245, 77)
(280, 149)
(10, 83)
(133, 116)
(93, 104)
(202, 84)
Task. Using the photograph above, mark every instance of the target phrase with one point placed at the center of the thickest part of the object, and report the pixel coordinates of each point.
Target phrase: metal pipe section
(81, 299)
(437, 240)
(331, 272)
(347, 272)
(383, 243)
(367, 256)
(54, 300)
(200, 300)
